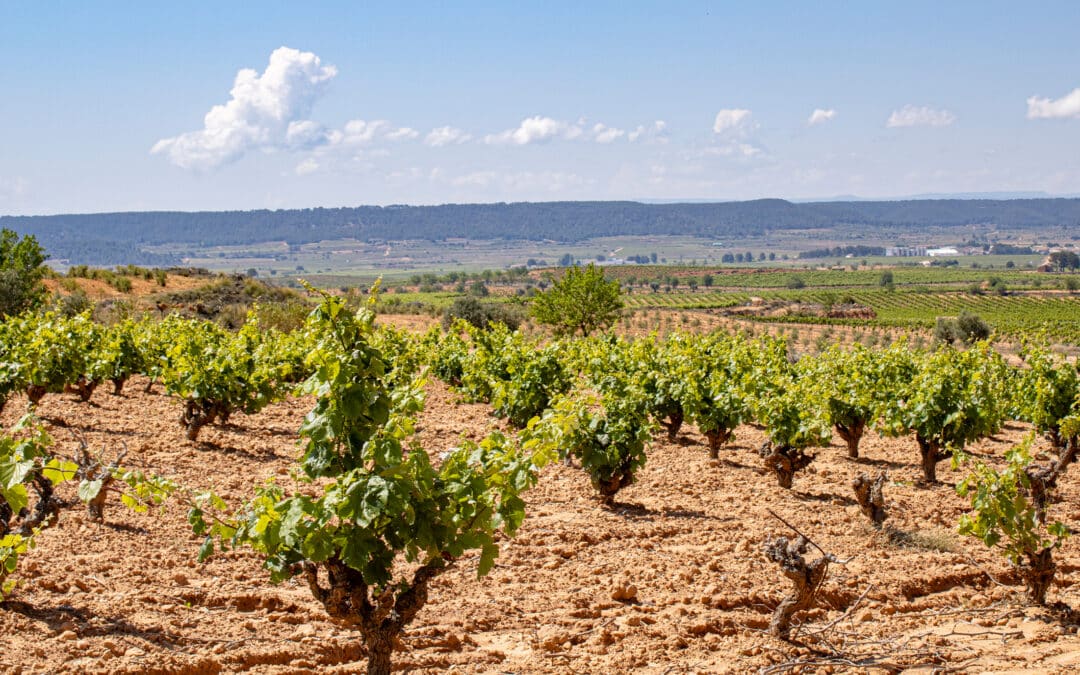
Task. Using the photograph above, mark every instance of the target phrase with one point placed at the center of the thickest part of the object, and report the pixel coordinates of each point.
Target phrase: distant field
(1022, 304)
(357, 261)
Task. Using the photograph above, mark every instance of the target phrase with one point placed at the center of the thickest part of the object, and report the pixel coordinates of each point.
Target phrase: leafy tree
(22, 266)
(1065, 260)
(582, 300)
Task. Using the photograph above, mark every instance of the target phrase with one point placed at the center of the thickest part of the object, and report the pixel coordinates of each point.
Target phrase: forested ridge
(94, 237)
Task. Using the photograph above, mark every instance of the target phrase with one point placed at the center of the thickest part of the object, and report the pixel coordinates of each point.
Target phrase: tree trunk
(85, 388)
(931, 454)
(380, 646)
(870, 497)
(851, 435)
(806, 577)
(118, 385)
(195, 417)
(784, 461)
(674, 423)
(35, 392)
(717, 438)
(1038, 574)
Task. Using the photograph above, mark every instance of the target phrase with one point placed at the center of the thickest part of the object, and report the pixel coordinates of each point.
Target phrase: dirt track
(681, 552)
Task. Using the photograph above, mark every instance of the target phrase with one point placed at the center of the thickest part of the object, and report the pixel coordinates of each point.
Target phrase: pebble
(68, 635)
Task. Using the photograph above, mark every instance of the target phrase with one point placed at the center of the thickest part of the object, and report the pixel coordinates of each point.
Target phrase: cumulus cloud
(265, 111)
(533, 130)
(734, 136)
(919, 116)
(729, 119)
(443, 136)
(1045, 108)
(820, 116)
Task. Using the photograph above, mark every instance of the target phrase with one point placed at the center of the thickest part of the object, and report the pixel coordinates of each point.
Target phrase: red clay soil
(670, 580)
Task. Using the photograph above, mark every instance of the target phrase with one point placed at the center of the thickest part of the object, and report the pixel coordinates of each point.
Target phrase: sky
(121, 106)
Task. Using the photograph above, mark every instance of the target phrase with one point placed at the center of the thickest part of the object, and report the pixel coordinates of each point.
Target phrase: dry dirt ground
(671, 580)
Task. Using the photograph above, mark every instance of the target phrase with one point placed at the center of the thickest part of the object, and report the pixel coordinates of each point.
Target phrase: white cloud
(265, 111)
(605, 134)
(362, 132)
(730, 118)
(1045, 108)
(657, 131)
(306, 167)
(443, 136)
(922, 116)
(403, 134)
(534, 130)
(820, 116)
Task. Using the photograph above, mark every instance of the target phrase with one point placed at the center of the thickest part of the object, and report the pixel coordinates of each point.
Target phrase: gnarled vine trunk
(784, 461)
(85, 388)
(1038, 573)
(118, 385)
(380, 619)
(931, 453)
(673, 423)
(717, 438)
(36, 392)
(610, 487)
(851, 434)
(197, 415)
(806, 577)
(870, 496)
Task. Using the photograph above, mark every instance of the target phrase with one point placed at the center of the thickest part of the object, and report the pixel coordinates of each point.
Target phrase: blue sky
(104, 106)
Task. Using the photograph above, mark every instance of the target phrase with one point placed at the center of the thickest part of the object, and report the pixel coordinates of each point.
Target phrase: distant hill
(113, 238)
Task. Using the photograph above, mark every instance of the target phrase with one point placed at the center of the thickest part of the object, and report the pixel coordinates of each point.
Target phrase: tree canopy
(580, 300)
(22, 265)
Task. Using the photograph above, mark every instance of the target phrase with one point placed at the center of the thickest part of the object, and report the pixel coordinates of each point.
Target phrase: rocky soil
(670, 580)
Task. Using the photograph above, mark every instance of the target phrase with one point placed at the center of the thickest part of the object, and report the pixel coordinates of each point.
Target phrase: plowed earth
(670, 580)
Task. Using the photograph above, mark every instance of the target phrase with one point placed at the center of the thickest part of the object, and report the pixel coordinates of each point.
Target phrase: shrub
(481, 314)
(1006, 517)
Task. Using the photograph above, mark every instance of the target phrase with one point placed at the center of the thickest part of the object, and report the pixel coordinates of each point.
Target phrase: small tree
(582, 300)
(1006, 517)
(22, 265)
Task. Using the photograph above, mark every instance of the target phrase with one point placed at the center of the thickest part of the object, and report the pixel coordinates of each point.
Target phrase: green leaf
(88, 489)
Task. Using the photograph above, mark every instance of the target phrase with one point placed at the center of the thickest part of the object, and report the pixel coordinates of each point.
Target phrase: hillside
(115, 238)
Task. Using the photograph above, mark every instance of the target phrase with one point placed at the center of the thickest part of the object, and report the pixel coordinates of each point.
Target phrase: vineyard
(490, 501)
